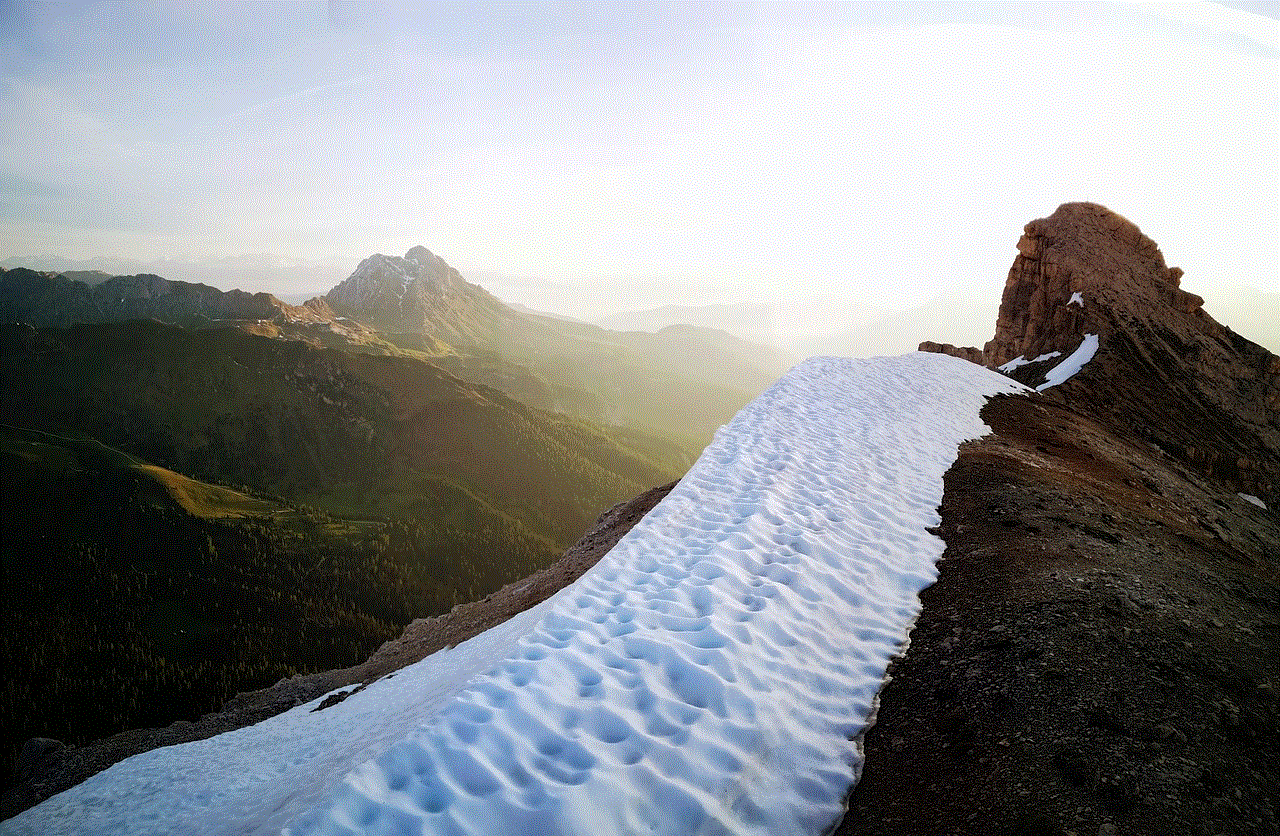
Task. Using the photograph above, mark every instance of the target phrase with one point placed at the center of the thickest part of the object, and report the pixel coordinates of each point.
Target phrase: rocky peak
(1075, 271)
(383, 282)
(420, 293)
(1163, 369)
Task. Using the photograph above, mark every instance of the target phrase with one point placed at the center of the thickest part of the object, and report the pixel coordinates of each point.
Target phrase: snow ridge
(713, 673)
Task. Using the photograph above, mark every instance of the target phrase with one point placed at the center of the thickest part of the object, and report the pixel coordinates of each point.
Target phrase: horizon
(643, 153)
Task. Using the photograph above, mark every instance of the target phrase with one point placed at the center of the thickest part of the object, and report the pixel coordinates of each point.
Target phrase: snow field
(713, 672)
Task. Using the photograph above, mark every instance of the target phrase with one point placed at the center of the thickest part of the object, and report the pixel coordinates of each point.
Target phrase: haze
(826, 160)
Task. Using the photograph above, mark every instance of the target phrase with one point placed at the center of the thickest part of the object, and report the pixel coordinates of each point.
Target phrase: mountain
(49, 299)
(1097, 655)
(210, 480)
(682, 383)
(263, 270)
(46, 299)
(1162, 369)
(421, 293)
(136, 596)
(348, 432)
(89, 277)
(898, 331)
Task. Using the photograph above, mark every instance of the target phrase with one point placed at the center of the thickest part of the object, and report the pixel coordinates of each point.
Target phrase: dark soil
(1098, 655)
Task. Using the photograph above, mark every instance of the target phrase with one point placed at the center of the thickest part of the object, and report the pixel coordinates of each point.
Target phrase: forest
(129, 608)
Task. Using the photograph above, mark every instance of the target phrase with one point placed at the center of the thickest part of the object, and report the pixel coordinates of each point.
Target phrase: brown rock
(1210, 392)
(973, 355)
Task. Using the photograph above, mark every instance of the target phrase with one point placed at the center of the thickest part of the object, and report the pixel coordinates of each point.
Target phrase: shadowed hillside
(190, 514)
(346, 432)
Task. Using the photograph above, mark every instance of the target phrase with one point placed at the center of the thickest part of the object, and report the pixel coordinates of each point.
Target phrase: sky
(657, 152)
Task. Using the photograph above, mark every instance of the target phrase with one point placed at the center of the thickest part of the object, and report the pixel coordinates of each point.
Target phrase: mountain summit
(421, 293)
(1086, 281)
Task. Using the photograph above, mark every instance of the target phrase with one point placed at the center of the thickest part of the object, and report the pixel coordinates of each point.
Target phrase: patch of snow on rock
(1253, 499)
(1019, 361)
(1071, 366)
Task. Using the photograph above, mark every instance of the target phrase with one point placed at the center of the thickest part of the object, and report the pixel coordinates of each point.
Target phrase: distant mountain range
(287, 276)
(682, 383)
(870, 331)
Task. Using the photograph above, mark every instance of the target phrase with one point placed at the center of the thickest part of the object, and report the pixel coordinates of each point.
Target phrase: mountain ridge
(1095, 657)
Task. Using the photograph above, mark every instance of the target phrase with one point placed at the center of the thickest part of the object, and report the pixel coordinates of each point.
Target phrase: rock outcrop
(1075, 272)
(1165, 369)
(973, 355)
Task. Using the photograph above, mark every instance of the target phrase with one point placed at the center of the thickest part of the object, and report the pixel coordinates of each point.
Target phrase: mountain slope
(119, 442)
(137, 596)
(1097, 655)
(349, 432)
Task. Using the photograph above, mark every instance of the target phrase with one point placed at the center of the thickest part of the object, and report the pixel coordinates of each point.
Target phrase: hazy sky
(701, 152)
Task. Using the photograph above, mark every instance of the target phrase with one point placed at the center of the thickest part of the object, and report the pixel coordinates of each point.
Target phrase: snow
(1253, 499)
(1019, 361)
(712, 674)
(374, 275)
(1076, 299)
(1069, 367)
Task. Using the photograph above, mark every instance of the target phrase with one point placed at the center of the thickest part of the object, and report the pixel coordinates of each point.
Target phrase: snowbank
(711, 674)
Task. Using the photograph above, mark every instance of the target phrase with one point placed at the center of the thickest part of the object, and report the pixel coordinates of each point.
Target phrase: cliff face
(1085, 269)
(1165, 371)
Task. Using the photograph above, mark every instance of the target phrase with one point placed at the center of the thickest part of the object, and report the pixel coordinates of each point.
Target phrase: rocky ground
(1098, 655)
